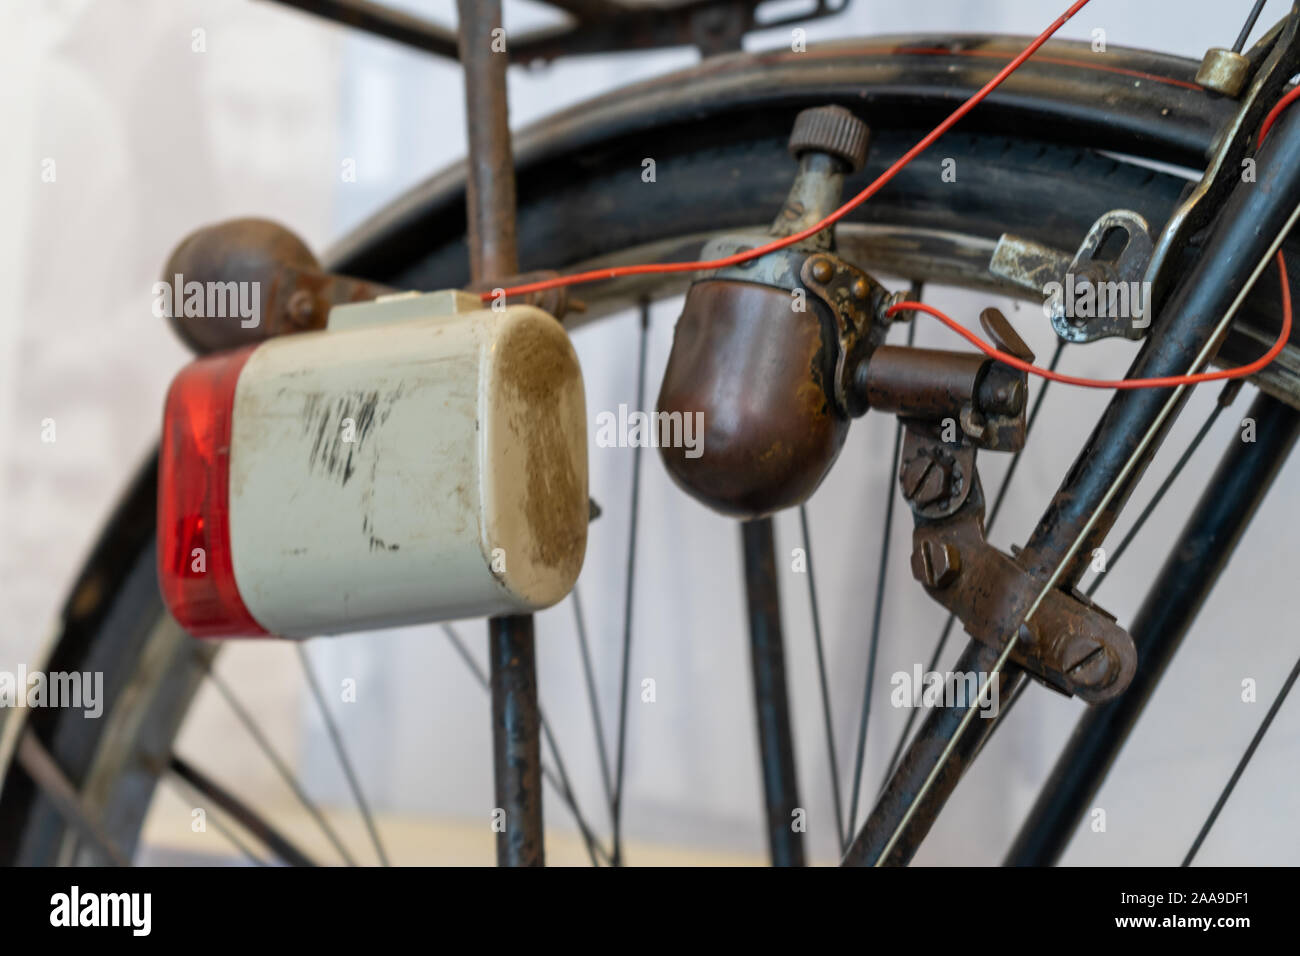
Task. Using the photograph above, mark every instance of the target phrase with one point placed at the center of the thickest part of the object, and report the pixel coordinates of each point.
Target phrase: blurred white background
(151, 139)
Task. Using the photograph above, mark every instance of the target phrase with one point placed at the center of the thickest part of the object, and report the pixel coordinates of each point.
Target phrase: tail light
(410, 464)
(194, 560)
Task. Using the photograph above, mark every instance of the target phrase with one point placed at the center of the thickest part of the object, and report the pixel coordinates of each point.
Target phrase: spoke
(336, 738)
(281, 767)
(45, 772)
(821, 676)
(1241, 764)
(1250, 25)
(616, 809)
(878, 610)
(1225, 399)
(239, 811)
(988, 526)
(558, 778)
(593, 699)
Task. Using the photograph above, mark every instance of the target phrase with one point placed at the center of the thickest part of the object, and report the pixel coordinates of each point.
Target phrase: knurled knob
(832, 130)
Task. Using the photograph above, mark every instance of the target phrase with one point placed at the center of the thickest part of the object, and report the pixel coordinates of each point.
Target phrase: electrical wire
(662, 268)
(1126, 384)
(1172, 381)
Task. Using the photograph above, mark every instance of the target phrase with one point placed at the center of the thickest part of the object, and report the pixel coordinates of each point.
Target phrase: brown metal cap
(748, 376)
(832, 130)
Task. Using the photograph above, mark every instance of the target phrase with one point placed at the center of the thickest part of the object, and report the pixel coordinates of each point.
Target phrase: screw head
(926, 480)
(936, 565)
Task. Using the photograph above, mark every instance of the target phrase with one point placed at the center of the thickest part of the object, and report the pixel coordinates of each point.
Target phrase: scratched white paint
(378, 473)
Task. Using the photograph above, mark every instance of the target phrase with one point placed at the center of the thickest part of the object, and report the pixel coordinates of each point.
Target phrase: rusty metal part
(490, 187)
(936, 476)
(1070, 644)
(1225, 72)
(516, 740)
(756, 374)
(936, 565)
(494, 255)
(985, 398)
(294, 294)
(854, 299)
(1111, 279)
(1004, 334)
(921, 383)
(817, 190)
(1028, 265)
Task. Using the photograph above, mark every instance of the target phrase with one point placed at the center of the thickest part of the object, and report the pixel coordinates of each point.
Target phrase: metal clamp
(854, 299)
(1070, 644)
(1100, 292)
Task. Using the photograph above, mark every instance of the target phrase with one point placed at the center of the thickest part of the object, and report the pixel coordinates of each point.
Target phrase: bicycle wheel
(1037, 161)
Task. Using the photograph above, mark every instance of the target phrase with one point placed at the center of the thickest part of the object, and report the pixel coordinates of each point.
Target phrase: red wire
(661, 268)
(1277, 111)
(1127, 383)
(1241, 371)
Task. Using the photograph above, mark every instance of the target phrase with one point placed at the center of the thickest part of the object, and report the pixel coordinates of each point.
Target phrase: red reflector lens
(194, 564)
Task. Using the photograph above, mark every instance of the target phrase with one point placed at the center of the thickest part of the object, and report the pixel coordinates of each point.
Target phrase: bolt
(926, 480)
(822, 270)
(1011, 396)
(1002, 392)
(1094, 664)
(889, 302)
(936, 565)
(912, 474)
